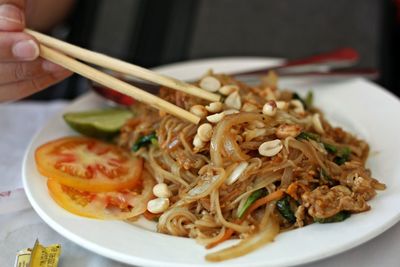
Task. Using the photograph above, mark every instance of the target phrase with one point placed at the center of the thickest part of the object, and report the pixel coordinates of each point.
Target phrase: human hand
(22, 72)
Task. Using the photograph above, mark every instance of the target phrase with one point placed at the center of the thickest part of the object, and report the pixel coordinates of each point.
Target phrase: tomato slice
(106, 205)
(88, 164)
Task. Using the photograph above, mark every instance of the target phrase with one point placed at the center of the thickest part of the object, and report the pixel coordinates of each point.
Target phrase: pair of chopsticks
(49, 50)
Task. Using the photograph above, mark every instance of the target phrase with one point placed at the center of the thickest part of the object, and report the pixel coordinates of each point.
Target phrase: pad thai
(260, 162)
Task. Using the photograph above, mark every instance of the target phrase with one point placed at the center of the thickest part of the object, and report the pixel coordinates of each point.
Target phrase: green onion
(145, 141)
(308, 136)
(342, 156)
(283, 206)
(154, 141)
(296, 96)
(307, 101)
(338, 217)
(262, 192)
(330, 148)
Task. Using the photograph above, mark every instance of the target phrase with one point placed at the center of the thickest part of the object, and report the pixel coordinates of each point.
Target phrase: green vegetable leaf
(330, 148)
(338, 217)
(308, 136)
(307, 101)
(342, 156)
(145, 141)
(154, 141)
(326, 178)
(262, 192)
(283, 206)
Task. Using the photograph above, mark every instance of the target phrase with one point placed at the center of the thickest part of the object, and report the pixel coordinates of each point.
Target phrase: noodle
(225, 186)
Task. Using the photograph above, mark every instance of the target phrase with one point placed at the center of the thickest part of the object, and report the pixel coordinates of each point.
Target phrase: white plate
(358, 105)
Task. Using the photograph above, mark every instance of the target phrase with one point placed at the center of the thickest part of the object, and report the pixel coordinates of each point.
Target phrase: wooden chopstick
(117, 85)
(121, 66)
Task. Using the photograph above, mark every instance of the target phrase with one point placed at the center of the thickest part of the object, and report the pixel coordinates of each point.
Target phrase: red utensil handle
(346, 56)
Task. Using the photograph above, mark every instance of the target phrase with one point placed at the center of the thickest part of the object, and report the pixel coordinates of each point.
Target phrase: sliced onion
(236, 173)
(287, 177)
(204, 187)
(139, 202)
(233, 150)
(201, 189)
(268, 179)
(222, 130)
(209, 240)
(308, 150)
(247, 245)
(162, 172)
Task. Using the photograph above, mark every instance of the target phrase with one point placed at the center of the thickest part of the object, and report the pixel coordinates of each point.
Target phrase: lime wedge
(103, 123)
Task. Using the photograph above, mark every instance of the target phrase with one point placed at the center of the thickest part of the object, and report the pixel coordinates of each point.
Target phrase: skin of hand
(22, 72)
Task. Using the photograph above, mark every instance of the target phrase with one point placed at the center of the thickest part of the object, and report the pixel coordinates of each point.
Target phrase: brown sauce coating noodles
(262, 171)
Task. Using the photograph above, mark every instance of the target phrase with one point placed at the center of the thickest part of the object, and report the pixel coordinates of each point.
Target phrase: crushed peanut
(210, 83)
(270, 148)
(286, 130)
(199, 110)
(205, 132)
(214, 107)
(233, 100)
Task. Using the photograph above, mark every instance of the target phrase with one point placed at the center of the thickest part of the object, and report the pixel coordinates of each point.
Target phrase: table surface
(20, 225)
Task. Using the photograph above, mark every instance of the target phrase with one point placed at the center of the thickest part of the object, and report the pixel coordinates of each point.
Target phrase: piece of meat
(359, 180)
(363, 187)
(300, 215)
(324, 202)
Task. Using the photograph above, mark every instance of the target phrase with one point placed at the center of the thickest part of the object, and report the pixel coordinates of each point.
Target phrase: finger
(12, 18)
(17, 46)
(19, 3)
(20, 71)
(18, 90)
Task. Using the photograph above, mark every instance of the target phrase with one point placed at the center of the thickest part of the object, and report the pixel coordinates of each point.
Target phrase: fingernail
(11, 13)
(51, 67)
(26, 49)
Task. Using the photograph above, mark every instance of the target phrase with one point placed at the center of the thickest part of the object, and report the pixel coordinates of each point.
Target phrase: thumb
(12, 18)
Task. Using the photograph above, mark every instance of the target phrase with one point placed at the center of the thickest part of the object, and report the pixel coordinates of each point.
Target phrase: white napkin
(19, 230)
(18, 123)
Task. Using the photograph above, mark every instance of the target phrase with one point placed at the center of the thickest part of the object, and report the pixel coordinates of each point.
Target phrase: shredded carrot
(262, 201)
(150, 216)
(277, 159)
(292, 190)
(226, 236)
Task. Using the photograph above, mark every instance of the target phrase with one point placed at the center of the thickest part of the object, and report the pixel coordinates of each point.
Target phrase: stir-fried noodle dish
(260, 162)
(263, 162)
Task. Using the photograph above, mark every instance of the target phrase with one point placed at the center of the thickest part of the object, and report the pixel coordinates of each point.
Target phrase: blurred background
(152, 33)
